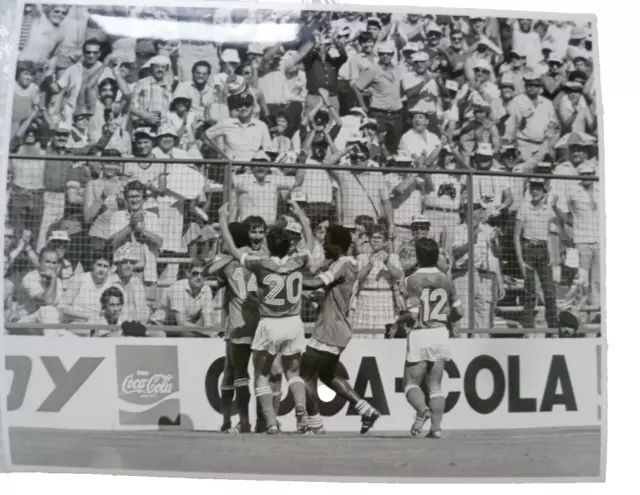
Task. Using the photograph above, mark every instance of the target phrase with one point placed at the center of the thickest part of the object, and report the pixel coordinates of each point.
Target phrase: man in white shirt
(256, 192)
(418, 139)
(407, 194)
(242, 137)
(583, 201)
(139, 229)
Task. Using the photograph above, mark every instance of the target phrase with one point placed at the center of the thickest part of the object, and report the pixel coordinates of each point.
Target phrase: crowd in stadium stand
(112, 241)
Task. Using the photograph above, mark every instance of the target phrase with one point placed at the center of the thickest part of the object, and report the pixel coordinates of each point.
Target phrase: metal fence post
(226, 190)
(470, 263)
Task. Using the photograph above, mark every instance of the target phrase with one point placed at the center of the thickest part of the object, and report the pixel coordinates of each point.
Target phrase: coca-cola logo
(144, 384)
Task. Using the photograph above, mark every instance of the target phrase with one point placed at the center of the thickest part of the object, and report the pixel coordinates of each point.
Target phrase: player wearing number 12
(241, 319)
(280, 329)
(432, 308)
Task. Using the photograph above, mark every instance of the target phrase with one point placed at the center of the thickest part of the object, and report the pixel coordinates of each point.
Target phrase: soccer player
(241, 317)
(257, 232)
(280, 329)
(432, 309)
(332, 331)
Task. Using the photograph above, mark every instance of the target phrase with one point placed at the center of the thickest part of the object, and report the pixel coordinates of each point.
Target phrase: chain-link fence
(112, 239)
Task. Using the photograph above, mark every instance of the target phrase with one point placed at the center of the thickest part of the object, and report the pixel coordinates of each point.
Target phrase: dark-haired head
(239, 234)
(427, 252)
(278, 242)
(337, 241)
(108, 294)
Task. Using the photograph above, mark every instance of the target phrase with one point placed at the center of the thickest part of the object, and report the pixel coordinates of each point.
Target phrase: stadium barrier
(150, 384)
(223, 169)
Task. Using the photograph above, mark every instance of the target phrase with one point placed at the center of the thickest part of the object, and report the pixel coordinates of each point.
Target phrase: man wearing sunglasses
(187, 303)
(533, 122)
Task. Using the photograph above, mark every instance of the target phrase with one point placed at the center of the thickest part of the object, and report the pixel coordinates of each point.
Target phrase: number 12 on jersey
(432, 302)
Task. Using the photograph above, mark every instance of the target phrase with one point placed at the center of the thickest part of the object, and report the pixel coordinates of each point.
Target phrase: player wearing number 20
(280, 330)
(432, 308)
(241, 316)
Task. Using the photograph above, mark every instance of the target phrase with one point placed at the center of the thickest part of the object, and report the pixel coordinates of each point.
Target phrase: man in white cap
(127, 279)
(384, 83)
(583, 202)
(152, 95)
(407, 195)
(418, 140)
(533, 123)
(414, 83)
(230, 62)
(419, 227)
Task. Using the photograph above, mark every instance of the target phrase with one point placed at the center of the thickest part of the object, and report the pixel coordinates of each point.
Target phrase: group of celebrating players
(262, 306)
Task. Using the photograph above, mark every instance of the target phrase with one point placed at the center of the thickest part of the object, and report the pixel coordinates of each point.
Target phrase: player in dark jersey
(280, 329)
(332, 331)
(241, 320)
(432, 309)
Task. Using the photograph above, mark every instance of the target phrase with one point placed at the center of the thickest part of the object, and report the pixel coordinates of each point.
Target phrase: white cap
(230, 55)
(555, 57)
(386, 48)
(482, 63)
(433, 28)
(368, 122)
(451, 85)
(167, 130)
(420, 57)
(484, 149)
(294, 227)
(359, 111)
(420, 219)
(59, 235)
(411, 47)
(125, 253)
(157, 60)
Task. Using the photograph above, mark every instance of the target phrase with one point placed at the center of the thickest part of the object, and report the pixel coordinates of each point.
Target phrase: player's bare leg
(436, 397)
(227, 390)
(291, 366)
(262, 361)
(240, 355)
(414, 377)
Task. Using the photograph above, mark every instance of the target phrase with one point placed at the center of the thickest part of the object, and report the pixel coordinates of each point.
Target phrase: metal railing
(206, 164)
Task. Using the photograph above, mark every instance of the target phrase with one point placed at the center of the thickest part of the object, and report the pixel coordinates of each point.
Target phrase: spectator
(198, 89)
(187, 303)
(418, 140)
(256, 192)
(533, 123)
(111, 305)
(383, 80)
(488, 282)
(378, 273)
(138, 229)
(80, 301)
(583, 204)
(78, 85)
(102, 198)
(152, 95)
(362, 192)
(40, 291)
(531, 238)
(407, 196)
(240, 137)
(420, 228)
(127, 279)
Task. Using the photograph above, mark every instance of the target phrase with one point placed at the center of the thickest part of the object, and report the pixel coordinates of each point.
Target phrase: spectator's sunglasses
(62, 12)
(358, 157)
(197, 273)
(481, 71)
(456, 38)
(245, 105)
(127, 262)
